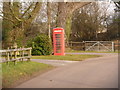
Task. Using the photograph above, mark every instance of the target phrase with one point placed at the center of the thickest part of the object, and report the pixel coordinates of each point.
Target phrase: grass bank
(78, 51)
(13, 75)
(69, 57)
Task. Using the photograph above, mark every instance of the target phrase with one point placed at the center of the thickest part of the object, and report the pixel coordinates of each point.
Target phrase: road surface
(101, 72)
(54, 62)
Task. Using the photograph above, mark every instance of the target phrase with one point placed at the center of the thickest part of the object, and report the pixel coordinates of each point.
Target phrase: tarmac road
(56, 63)
(101, 72)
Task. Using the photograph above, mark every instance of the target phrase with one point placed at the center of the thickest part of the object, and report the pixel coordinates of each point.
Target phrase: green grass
(13, 75)
(79, 51)
(70, 57)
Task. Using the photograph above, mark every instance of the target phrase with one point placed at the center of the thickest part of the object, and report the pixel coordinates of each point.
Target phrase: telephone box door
(58, 41)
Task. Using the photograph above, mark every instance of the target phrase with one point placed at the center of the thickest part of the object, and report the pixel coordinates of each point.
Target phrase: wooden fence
(77, 45)
(14, 55)
(95, 45)
(99, 46)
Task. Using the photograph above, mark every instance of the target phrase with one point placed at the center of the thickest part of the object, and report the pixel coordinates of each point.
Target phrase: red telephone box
(58, 41)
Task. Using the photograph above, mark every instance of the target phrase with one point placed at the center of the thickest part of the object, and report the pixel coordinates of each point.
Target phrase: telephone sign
(58, 41)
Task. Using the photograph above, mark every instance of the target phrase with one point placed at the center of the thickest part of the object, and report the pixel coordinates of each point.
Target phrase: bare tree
(49, 17)
(21, 21)
(66, 8)
(89, 21)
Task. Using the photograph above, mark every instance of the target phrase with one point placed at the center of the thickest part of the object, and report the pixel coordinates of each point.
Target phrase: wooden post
(98, 46)
(29, 54)
(11, 54)
(113, 46)
(85, 45)
(6, 55)
(71, 44)
(22, 53)
(8, 58)
(15, 57)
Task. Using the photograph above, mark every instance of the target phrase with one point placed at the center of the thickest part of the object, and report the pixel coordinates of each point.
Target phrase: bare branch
(32, 15)
(35, 10)
(14, 13)
(7, 18)
(5, 12)
(116, 3)
(26, 10)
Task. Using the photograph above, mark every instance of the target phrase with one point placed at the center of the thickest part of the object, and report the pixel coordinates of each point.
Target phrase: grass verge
(13, 75)
(76, 51)
(69, 57)
(68, 50)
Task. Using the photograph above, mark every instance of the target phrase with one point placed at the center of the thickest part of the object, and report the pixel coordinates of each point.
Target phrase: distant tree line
(25, 20)
(93, 22)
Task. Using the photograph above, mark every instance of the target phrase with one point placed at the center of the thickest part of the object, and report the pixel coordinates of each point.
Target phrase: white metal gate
(99, 46)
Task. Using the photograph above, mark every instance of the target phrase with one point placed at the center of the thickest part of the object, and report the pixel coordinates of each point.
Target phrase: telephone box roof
(58, 28)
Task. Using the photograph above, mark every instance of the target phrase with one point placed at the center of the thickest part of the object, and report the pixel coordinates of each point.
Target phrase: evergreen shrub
(41, 45)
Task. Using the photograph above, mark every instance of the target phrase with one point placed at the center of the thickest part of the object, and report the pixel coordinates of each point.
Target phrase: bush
(41, 45)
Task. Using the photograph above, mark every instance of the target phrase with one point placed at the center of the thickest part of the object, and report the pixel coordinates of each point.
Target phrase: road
(64, 62)
(54, 62)
(101, 72)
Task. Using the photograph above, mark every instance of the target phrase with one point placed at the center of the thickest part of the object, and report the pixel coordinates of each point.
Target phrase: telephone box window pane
(57, 35)
(58, 43)
(58, 40)
(58, 47)
(58, 51)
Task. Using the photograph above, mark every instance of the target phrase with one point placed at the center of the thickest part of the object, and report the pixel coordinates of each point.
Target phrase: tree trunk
(65, 10)
(62, 12)
(6, 25)
(49, 18)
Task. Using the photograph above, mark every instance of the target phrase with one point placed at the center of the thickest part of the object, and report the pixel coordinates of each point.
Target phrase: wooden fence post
(113, 46)
(22, 53)
(15, 56)
(29, 54)
(11, 54)
(8, 57)
(71, 44)
(98, 45)
(84, 46)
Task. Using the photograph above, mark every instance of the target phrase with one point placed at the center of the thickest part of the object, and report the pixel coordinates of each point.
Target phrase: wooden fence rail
(99, 46)
(16, 55)
(95, 45)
